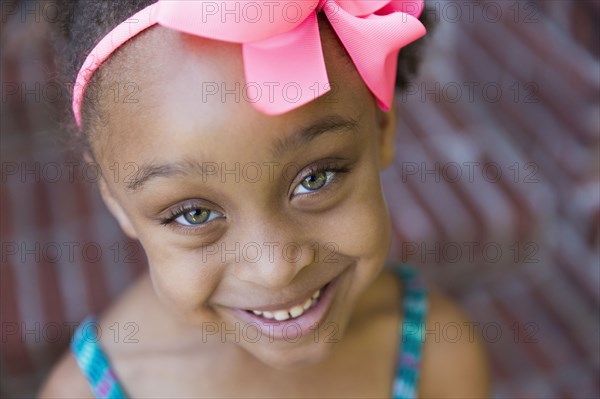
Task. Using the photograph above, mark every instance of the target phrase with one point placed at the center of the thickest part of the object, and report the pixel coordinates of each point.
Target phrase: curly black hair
(82, 23)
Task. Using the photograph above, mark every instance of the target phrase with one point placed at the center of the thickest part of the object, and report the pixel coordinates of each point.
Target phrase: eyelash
(315, 170)
(180, 211)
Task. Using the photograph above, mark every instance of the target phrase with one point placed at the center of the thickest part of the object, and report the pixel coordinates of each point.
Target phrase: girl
(257, 131)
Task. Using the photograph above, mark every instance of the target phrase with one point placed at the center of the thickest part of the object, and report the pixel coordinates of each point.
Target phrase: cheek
(361, 227)
(180, 279)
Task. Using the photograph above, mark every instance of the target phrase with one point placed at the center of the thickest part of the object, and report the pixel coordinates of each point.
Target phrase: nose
(272, 257)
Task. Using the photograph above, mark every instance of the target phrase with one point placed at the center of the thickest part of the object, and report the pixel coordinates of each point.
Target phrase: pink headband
(281, 42)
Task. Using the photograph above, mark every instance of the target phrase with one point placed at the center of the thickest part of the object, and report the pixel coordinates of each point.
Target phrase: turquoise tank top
(104, 384)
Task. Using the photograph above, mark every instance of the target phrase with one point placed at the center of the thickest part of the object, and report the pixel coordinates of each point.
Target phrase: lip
(292, 329)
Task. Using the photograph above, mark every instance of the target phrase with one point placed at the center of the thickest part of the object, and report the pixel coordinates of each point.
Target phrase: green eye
(314, 182)
(196, 217)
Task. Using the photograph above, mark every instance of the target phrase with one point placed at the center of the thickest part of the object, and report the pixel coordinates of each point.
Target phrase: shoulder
(66, 381)
(454, 363)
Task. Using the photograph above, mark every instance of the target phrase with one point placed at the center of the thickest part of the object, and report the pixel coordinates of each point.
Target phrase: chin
(283, 357)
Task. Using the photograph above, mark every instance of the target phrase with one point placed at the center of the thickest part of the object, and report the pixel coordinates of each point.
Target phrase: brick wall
(498, 149)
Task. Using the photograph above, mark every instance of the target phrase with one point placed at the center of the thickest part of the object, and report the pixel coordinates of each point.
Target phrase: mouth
(292, 320)
(290, 312)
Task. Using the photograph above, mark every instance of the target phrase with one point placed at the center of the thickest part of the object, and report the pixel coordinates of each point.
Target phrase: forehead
(166, 86)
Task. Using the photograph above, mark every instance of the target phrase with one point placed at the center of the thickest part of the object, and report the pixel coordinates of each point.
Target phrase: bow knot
(281, 43)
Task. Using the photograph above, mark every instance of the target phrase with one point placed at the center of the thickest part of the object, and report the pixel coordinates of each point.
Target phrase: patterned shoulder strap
(93, 362)
(408, 362)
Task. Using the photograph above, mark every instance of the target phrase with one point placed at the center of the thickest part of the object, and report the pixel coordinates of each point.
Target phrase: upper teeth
(293, 312)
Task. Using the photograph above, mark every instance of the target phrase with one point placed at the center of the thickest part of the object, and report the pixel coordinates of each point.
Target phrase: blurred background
(495, 194)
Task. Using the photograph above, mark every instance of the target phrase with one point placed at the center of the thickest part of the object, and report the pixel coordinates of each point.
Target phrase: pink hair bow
(281, 45)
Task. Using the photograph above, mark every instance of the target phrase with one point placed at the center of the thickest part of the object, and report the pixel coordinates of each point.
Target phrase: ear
(387, 135)
(112, 204)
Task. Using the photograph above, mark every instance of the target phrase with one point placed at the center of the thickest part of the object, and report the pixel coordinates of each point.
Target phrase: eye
(196, 217)
(315, 181)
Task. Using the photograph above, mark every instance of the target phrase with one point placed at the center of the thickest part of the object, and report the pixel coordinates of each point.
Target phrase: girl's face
(239, 211)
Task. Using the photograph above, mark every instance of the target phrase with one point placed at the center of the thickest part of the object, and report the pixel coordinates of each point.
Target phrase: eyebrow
(330, 124)
(301, 137)
(150, 171)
